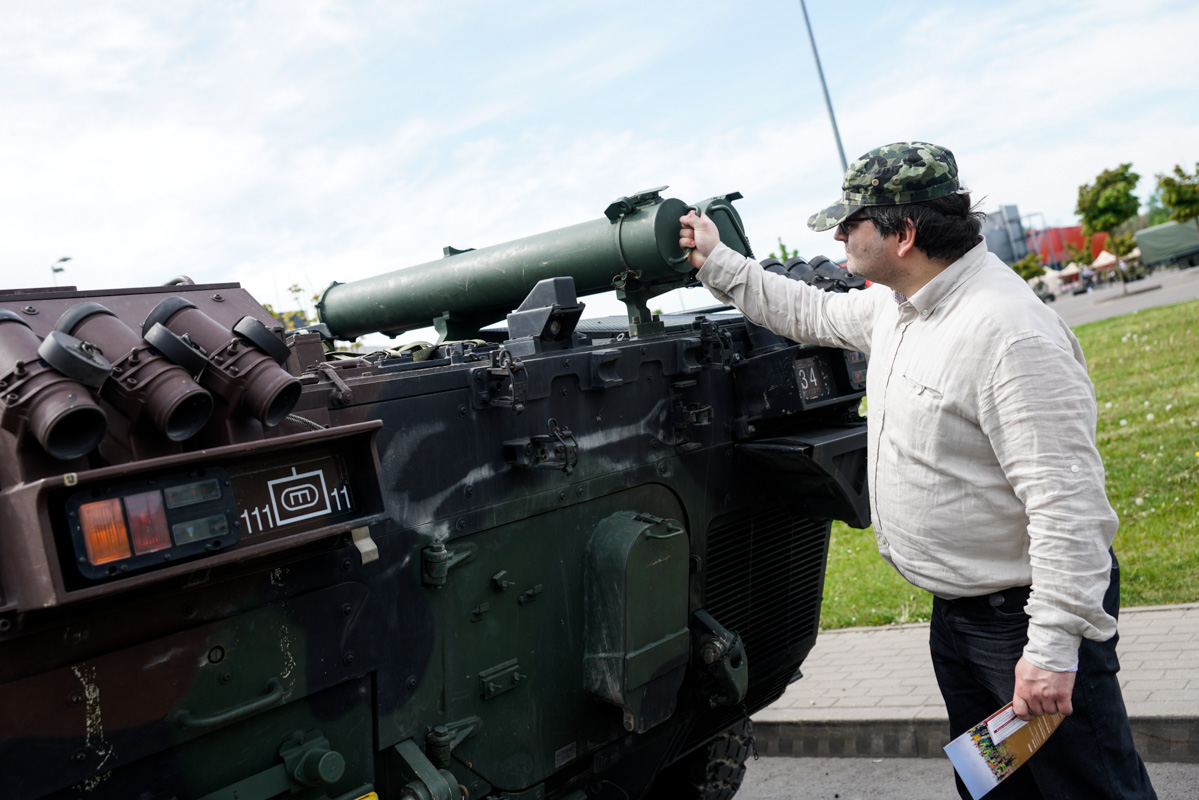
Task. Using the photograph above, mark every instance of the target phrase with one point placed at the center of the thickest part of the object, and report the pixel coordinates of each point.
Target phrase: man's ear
(905, 238)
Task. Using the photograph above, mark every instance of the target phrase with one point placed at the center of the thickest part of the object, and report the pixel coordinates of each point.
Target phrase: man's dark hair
(946, 228)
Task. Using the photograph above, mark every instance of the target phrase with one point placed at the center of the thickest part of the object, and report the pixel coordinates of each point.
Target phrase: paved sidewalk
(871, 692)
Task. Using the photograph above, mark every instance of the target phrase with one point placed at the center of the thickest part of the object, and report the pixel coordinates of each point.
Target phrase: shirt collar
(932, 293)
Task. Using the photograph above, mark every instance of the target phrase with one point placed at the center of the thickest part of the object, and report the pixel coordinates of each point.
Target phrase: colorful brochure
(996, 747)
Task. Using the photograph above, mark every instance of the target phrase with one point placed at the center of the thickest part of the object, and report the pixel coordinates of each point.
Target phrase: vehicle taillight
(147, 522)
(143, 522)
(104, 533)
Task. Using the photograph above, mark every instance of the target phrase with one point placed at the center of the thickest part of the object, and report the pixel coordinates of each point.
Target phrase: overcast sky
(301, 141)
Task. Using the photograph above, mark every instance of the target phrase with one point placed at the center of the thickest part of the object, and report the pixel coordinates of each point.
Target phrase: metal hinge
(684, 415)
(557, 449)
(718, 346)
(442, 739)
(623, 206)
(504, 384)
(437, 561)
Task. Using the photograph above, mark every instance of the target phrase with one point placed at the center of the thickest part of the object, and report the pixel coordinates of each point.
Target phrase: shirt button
(924, 313)
(1074, 468)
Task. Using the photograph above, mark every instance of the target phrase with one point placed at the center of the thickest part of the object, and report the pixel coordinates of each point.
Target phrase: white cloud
(301, 142)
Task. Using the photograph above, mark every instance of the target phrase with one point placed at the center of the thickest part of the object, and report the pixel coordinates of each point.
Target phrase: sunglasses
(848, 225)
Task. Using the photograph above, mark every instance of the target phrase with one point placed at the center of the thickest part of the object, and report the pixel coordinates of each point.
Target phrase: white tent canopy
(1050, 278)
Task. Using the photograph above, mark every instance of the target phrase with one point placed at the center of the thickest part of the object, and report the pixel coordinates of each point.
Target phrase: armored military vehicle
(545, 557)
(1170, 242)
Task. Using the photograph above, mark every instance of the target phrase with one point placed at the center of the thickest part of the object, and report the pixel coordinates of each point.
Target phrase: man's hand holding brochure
(996, 747)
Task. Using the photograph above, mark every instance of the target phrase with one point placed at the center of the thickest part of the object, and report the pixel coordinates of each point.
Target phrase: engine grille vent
(765, 574)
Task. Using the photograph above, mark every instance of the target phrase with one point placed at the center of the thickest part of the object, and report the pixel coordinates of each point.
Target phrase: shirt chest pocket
(920, 390)
(918, 409)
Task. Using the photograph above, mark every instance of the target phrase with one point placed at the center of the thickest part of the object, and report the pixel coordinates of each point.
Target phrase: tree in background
(300, 318)
(1180, 194)
(1108, 203)
(304, 315)
(784, 254)
(1155, 212)
(1121, 244)
(1080, 255)
(1029, 267)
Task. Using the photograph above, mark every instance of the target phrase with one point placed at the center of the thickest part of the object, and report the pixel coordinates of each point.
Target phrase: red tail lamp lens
(147, 522)
(104, 531)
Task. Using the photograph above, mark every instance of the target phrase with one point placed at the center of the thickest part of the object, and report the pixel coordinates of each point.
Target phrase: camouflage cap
(891, 175)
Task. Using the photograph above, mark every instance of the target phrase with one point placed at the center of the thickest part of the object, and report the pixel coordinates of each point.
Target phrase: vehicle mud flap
(824, 471)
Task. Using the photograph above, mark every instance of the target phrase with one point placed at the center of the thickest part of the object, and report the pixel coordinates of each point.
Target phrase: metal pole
(1042, 237)
(1007, 228)
(1037, 237)
(824, 86)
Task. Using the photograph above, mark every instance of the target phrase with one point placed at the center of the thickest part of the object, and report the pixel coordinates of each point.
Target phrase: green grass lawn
(1145, 367)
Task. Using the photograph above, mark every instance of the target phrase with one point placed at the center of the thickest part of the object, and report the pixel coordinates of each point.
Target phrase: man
(986, 488)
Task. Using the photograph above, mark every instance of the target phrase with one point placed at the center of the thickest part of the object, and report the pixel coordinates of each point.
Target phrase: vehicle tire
(712, 772)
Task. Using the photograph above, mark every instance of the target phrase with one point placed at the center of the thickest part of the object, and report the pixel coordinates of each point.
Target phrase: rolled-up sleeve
(791, 308)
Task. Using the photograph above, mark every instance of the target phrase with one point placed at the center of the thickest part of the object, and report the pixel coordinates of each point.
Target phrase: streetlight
(55, 269)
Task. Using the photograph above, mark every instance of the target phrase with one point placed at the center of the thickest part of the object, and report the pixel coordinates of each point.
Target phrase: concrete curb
(849, 739)
(1130, 293)
(1158, 739)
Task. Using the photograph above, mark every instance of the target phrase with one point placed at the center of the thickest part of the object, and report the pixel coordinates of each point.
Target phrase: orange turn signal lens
(104, 533)
(147, 522)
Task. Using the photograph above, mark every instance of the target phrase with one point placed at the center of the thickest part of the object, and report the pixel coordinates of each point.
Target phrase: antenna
(832, 117)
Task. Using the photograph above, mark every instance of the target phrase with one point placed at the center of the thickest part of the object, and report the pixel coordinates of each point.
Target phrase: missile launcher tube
(633, 249)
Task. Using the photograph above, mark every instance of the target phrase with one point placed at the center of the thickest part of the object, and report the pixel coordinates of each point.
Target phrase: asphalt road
(781, 778)
(1159, 289)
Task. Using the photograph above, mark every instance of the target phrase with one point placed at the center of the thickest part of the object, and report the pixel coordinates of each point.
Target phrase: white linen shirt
(982, 463)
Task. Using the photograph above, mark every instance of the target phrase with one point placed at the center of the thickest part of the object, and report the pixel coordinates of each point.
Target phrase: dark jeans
(975, 645)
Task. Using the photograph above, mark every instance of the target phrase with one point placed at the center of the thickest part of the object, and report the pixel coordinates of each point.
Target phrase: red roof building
(1051, 244)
